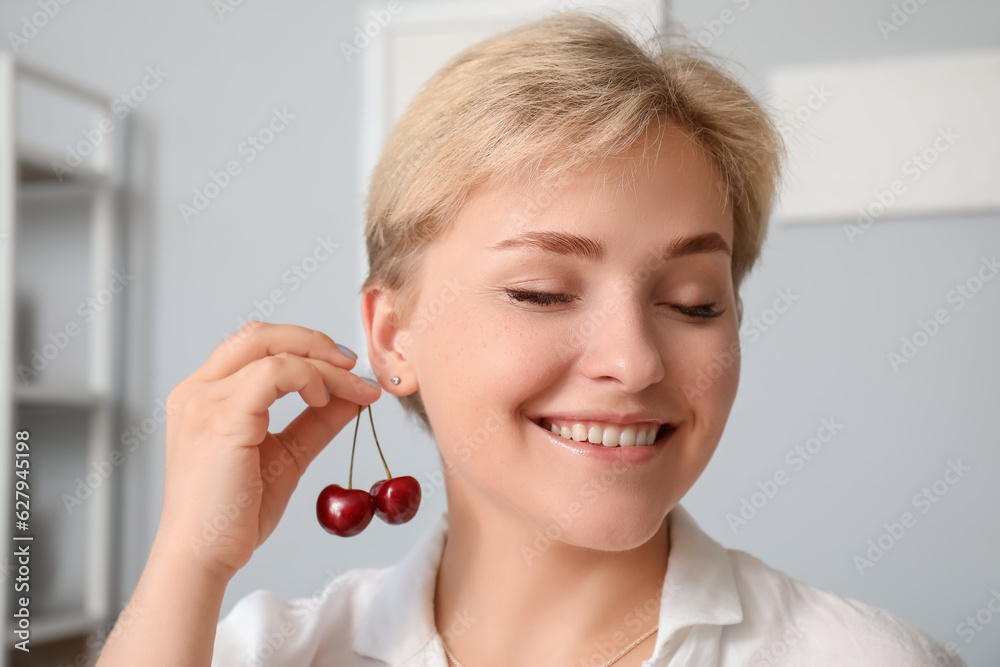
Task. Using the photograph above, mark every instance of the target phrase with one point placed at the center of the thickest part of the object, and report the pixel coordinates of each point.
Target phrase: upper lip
(624, 418)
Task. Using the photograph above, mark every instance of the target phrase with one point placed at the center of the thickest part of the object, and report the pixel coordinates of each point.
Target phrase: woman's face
(623, 339)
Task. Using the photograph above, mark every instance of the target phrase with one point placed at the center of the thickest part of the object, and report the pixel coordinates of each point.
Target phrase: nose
(617, 344)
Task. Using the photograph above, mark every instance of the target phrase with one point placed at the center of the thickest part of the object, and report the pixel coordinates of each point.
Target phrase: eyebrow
(564, 243)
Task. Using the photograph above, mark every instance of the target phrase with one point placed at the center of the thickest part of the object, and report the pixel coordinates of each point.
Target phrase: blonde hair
(568, 90)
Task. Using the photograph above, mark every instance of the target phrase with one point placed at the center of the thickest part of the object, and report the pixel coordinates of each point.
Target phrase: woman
(557, 234)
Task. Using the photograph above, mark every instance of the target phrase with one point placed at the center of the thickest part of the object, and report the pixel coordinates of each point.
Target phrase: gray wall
(824, 358)
(827, 357)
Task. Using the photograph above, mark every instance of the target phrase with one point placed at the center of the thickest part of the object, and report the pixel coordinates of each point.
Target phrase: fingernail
(347, 351)
(372, 381)
(327, 391)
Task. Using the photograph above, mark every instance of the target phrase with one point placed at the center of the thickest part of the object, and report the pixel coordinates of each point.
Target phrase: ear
(386, 343)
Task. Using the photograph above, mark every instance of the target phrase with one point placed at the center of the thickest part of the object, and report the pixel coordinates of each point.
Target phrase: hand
(228, 479)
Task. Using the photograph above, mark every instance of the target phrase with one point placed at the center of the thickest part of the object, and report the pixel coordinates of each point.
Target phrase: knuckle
(322, 338)
(250, 328)
(296, 452)
(175, 400)
(253, 325)
(193, 407)
(316, 374)
(268, 365)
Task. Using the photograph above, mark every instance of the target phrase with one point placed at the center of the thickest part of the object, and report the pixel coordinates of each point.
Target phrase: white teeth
(609, 436)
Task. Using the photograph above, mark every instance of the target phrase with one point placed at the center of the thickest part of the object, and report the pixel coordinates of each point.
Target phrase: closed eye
(706, 311)
(540, 298)
(702, 311)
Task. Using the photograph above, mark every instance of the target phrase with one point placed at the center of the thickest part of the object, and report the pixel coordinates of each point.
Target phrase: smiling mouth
(663, 432)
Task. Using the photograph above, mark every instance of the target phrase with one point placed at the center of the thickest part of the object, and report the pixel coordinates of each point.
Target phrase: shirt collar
(699, 588)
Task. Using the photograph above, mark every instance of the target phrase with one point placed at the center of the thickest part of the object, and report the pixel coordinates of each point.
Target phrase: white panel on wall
(876, 139)
(429, 33)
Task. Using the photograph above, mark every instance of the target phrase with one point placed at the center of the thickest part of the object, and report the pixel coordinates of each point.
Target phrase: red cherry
(396, 499)
(344, 512)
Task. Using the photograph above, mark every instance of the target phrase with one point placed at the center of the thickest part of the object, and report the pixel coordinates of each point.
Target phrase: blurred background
(170, 170)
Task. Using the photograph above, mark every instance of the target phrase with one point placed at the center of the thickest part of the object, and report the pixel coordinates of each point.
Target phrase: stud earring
(394, 380)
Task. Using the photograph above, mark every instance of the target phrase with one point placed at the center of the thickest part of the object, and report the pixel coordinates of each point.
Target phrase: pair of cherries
(347, 512)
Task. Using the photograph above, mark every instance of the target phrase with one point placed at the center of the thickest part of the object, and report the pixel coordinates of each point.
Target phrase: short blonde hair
(568, 90)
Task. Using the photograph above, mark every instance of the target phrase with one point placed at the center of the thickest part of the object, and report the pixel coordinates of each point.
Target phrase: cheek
(473, 364)
(708, 371)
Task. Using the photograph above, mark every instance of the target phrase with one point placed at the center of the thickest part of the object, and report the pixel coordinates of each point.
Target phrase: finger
(256, 386)
(286, 455)
(257, 340)
(266, 380)
(316, 426)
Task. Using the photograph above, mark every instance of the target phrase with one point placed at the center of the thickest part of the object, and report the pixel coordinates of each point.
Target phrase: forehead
(665, 180)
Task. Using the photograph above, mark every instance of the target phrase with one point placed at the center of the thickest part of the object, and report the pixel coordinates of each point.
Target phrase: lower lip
(635, 454)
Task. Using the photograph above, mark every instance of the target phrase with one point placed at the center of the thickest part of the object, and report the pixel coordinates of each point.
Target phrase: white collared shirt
(719, 607)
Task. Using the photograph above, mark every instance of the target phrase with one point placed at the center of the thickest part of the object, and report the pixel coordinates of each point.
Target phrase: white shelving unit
(46, 261)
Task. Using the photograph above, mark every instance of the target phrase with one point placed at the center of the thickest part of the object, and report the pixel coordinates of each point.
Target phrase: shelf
(35, 165)
(52, 397)
(59, 626)
(48, 190)
(55, 265)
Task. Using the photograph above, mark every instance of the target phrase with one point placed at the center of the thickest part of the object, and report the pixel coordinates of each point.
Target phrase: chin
(605, 529)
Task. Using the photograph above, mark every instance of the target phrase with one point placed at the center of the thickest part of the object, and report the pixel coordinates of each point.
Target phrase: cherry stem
(350, 473)
(386, 465)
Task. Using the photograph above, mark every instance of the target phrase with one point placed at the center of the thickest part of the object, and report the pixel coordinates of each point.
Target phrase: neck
(563, 604)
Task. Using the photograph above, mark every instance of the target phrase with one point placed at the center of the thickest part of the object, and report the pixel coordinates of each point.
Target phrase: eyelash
(704, 311)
